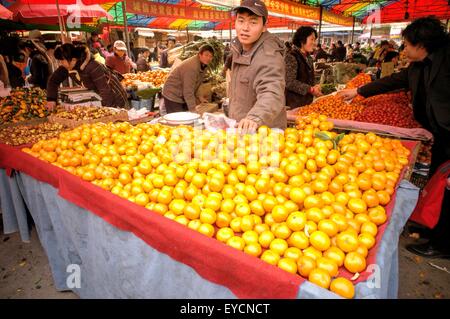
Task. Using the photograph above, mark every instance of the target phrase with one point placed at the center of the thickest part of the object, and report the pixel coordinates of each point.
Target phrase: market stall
(81, 223)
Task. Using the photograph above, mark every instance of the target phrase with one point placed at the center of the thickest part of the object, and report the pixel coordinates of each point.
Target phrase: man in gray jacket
(257, 72)
(183, 82)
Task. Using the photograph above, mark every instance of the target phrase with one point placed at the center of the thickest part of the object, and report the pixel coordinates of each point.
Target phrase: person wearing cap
(93, 75)
(184, 80)
(257, 71)
(120, 62)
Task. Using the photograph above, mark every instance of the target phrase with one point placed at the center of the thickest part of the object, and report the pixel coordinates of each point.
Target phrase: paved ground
(25, 272)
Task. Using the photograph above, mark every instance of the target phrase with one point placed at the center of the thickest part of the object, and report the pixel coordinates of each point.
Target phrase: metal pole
(320, 23)
(61, 23)
(187, 33)
(353, 30)
(125, 23)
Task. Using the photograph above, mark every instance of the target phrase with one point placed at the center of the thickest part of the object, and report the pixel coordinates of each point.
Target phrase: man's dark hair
(358, 43)
(390, 56)
(302, 34)
(206, 47)
(109, 47)
(250, 12)
(171, 39)
(94, 34)
(340, 42)
(427, 32)
(384, 42)
(319, 46)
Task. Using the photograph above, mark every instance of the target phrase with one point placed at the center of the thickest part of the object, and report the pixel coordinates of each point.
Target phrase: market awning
(5, 13)
(388, 10)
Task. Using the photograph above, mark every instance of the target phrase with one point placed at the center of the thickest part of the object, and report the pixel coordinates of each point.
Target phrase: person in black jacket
(341, 51)
(93, 75)
(427, 47)
(300, 88)
(320, 54)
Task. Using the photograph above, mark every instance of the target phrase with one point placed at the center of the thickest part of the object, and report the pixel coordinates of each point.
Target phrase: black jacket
(39, 69)
(299, 79)
(434, 113)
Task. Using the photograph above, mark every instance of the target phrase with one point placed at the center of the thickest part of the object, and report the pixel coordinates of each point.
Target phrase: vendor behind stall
(183, 82)
(119, 61)
(258, 71)
(93, 75)
(300, 88)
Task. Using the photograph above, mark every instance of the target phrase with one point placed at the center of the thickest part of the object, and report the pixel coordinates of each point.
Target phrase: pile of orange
(289, 198)
(334, 107)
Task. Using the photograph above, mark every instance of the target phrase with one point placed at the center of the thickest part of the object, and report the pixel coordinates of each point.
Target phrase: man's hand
(247, 126)
(348, 94)
(316, 90)
(51, 105)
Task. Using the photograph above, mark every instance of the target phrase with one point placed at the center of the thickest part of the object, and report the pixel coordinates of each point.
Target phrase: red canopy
(86, 2)
(5, 13)
(404, 10)
(48, 13)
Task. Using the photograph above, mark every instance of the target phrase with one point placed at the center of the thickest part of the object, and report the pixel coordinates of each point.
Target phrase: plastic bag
(214, 122)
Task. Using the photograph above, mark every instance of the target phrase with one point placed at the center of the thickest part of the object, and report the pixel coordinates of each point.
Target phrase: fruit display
(333, 107)
(359, 80)
(26, 134)
(388, 109)
(306, 200)
(23, 104)
(80, 113)
(143, 80)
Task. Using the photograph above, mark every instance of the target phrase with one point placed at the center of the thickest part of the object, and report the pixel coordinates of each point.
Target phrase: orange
(343, 287)
(257, 207)
(357, 205)
(253, 249)
(288, 264)
(366, 240)
(260, 228)
(270, 257)
(223, 219)
(236, 242)
(320, 240)
(206, 229)
(335, 254)
(293, 253)
(361, 218)
(320, 277)
(328, 226)
(313, 201)
(312, 252)
(279, 213)
(247, 223)
(177, 206)
(298, 239)
(362, 250)
(265, 238)
(297, 195)
(279, 246)
(224, 234)
(213, 203)
(250, 236)
(181, 219)
(383, 197)
(370, 228)
(315, 214)
(378, 215)
(191, 211)
(305, 265)
(347, 241)
(208, 216)
(142, 199)
(296, 221)
(328, 265)
(282, 231)
(242, 209)
(354, 262)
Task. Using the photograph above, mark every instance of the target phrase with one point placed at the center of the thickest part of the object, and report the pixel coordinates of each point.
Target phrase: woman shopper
(300, 88)
(93, 75)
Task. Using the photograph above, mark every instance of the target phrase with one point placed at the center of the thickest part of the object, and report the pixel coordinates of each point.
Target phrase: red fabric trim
(244, 275)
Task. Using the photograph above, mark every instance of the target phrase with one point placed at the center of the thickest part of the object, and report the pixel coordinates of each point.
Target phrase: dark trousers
(172, 107)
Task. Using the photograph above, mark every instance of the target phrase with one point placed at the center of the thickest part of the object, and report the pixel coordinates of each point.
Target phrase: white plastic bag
(214, 122)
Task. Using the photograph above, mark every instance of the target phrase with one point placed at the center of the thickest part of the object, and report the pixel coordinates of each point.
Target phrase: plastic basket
(419, 180)
(142, 103)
